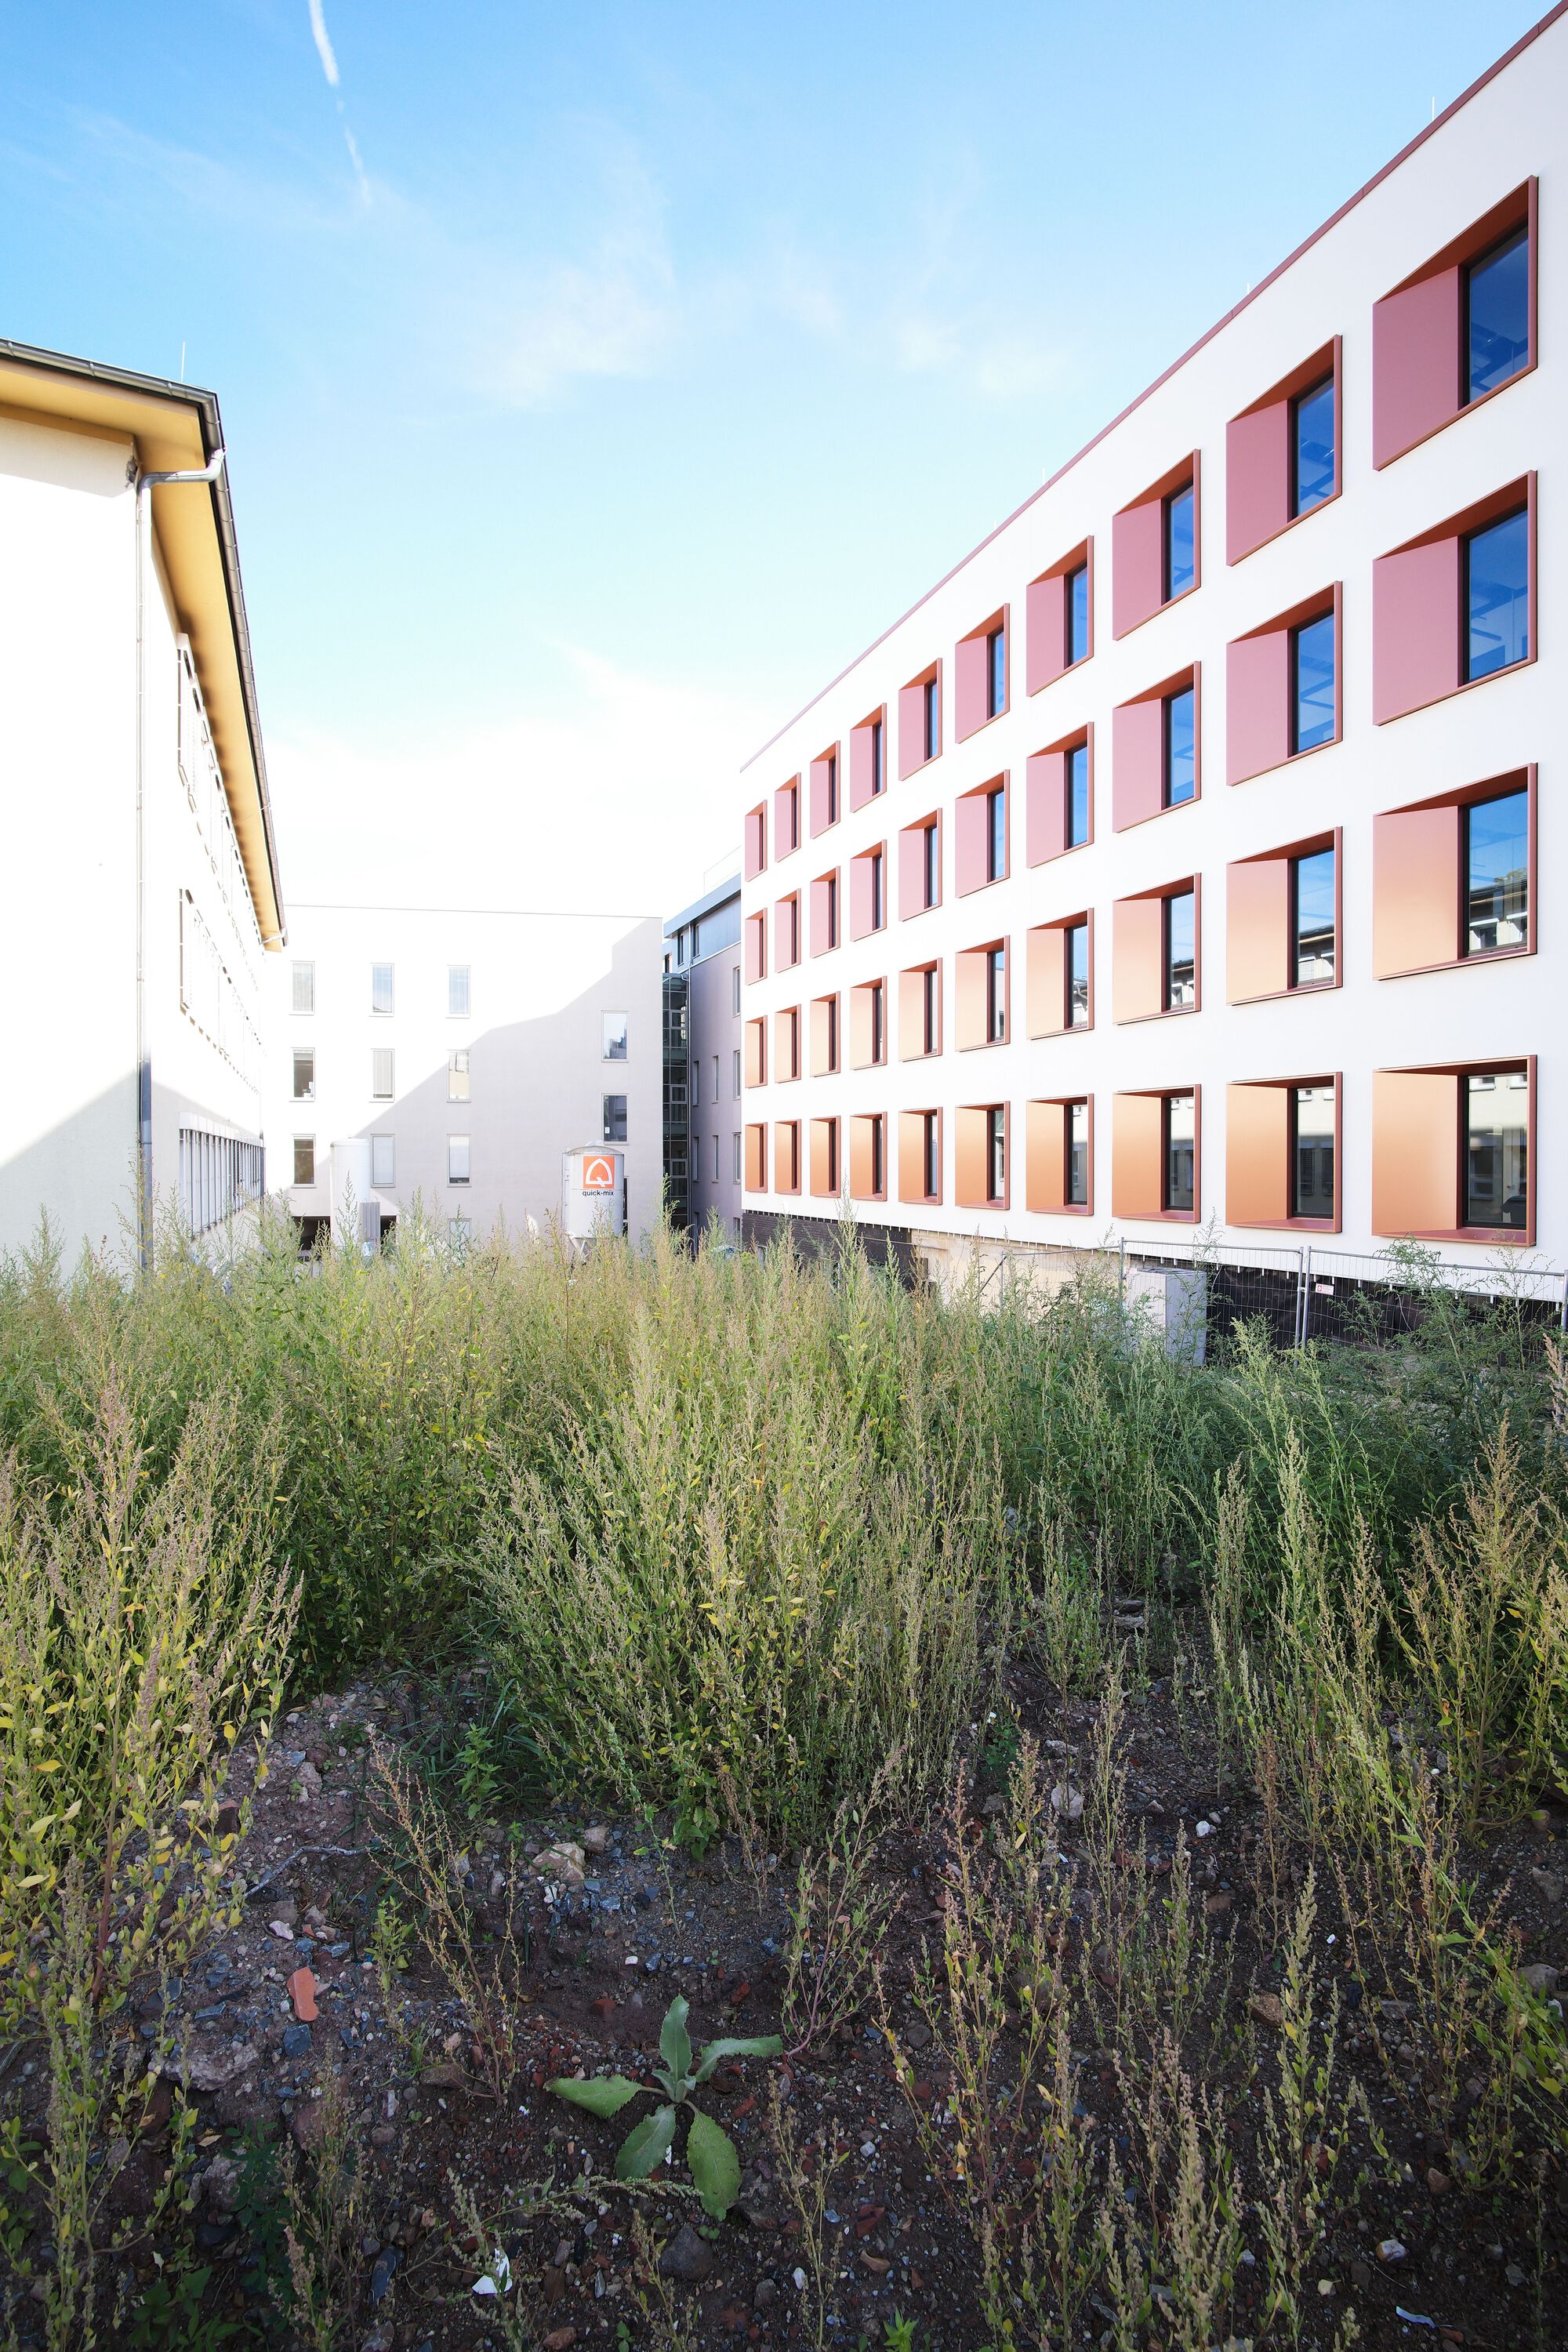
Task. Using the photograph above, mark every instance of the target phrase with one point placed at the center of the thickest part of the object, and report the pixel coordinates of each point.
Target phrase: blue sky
(599, 379)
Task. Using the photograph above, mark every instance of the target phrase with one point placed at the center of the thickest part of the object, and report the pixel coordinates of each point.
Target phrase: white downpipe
(145, 485)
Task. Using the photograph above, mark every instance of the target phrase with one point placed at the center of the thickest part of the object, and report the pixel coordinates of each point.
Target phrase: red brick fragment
(302, 1993)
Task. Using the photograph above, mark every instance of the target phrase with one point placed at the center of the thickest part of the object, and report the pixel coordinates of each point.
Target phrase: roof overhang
(175, 429)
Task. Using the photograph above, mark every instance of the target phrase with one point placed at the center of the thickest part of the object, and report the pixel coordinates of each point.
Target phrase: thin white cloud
(322, 39)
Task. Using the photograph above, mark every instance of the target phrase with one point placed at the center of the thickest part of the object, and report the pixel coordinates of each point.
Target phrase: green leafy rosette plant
(709, 2151)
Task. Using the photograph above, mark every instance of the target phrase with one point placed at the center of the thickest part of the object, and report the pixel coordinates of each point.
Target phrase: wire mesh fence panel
(1228, 1285)
(1377, 1301)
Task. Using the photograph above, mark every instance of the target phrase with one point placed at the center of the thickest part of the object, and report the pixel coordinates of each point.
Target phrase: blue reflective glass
(1312, 918)
(1498, 296)
(996, 848)
(1181, 570)
(1313, 684)
(1077, 614)
(996, 673)
(1312, 454)
(1078, 795)
(1496, 566)
(1497, 880)
(1181, 748)
(1077, 975)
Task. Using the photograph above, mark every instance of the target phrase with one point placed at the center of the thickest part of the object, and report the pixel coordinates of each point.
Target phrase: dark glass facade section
(1181, 951)
(995, 995)
(996, 673)
(1077, 961)
(996, 835)
(931, 704)
(1077, 615)
(931, 1154)
(1181, 555)
(1078, 795)
(996, 1153)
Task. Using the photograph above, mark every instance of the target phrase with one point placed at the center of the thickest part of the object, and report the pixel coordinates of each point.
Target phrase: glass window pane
(1078, 795)
(615, 1118)
(1181, 570)
(381, 988)
(1077, 975)
(933, 866)
(614, 1036)
(304, 1075)
(1178, 1139)
(384, 1159)
(1496, 874)
(1312, 683)
(997, 836)
(996, 673)
(457, 992)
(304, 988)
(995, 994)
(1181, 959)
(1312, 449)
(457, 1160)
(304, 1159)
(1311, 1151)
(876, 777)
(457, 1076)
(1497, 1147)
(1497, 564)
(996, 1153)
(380, 1085)
(1181, 748)
(932, 718)
(1312, 918)
(1499, 298)
(1077, 614)
(1078, 1154)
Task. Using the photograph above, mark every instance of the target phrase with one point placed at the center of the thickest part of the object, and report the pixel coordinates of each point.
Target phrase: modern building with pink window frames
(1188, 866)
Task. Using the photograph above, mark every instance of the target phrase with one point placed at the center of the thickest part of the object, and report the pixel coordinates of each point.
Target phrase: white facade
(453, 1057)
(138, 890)
(1509, 127)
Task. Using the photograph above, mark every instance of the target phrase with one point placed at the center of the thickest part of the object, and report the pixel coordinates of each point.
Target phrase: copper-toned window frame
(1078, 559)
(1162, 1095)
(1289, 1223)
(1330, 839)
(1481, 1236)
(1519, 209)
(1326, 364)
(1458, 797)
(1059, 1105)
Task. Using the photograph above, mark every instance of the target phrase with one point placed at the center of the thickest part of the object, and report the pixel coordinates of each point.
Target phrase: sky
(598, 381)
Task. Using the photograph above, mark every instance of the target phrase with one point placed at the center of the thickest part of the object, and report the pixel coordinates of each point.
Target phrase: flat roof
(1262, 286)
(176, 428)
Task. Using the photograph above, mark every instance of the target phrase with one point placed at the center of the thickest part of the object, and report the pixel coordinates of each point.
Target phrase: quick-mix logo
(598, 1172)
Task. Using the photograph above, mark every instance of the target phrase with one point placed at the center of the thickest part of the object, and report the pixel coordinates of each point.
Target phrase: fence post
(1563, 1311)
(1304, 1310)
(1121, 1272)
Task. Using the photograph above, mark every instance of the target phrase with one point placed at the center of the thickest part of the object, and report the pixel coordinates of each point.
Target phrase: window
(613, 1037)
(786, 932)
(824, 913)
(1313, 443)
(930, 717)
(756, 1135)
(824, 791)
(1314, 898)
(1282, 688)
(1076, 957)
(1497, 1147)
(755, 842)
(867, 893)
(1457, 331)
(995, 995)
(1179, 748)
(757, 1051)
(304, 1159)
(786, 1156)
(867, 1157)
(824, 1036)
(735, 1158)
(878, 891)
(1497, 315)
(715, 1159)
(304, 1073)
(380, 1069)
(458, 976)
(786, 1045)
(715, 1077)
(1496, 874)
(304, 988)
(735, 991)
(879, 763)
(996, 834)
(930, 1153)
(458, 1075)
(786, 818)
(1497, 595)
(1076, 781)
(1312, 1128)
(879, 1015)
(457, 1160)
(383, 1160)
(1076, 1120)
(1181, 560)
(931, 1009)
(735, 1074)
(459, 1234)
(1075, 598)
(996, 673)
(615, 1108)
(996, 1152)
(1178, 1149)
(1180, 952)
(1155, 755)
(1058, 612)
(381, 988)
(824, 1158)
(756, 946)
(879, 1156)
